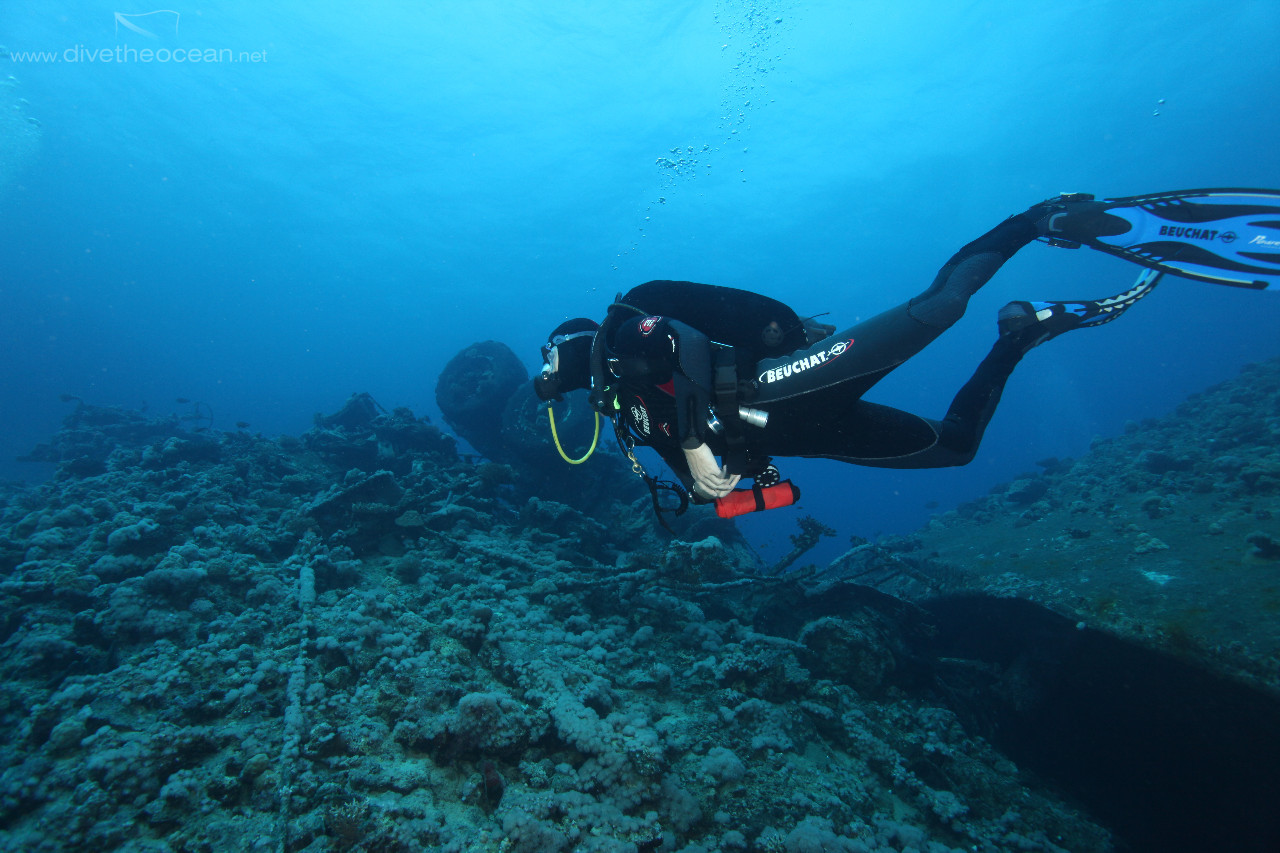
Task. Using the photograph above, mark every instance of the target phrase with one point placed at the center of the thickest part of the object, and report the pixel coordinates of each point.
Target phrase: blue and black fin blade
(1096, 312)
(1029, 324)
(1223, 236)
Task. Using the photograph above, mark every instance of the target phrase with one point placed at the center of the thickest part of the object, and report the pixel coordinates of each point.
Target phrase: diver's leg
(943, 303)
(864, 433)
(869, 434)
(955, 439)
(834, 425)
(869, 350)
(966, 420)
(1023, 326)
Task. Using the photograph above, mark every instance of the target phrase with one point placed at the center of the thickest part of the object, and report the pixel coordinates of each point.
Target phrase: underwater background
(351, 195)
(256, 593)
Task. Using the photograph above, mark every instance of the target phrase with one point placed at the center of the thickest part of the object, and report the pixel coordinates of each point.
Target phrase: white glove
(710, 479)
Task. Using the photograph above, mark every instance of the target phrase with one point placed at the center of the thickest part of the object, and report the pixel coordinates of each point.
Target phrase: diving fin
(1029, 324)
(1223, 236)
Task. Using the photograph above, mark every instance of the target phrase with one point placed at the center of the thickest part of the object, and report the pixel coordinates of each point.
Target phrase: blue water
(370, 188)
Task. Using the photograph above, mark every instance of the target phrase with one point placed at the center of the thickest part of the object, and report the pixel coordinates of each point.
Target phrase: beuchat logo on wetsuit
(800, 365)
(645, 423)
(640, 417)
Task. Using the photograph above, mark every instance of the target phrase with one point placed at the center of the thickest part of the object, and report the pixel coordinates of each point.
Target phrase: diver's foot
(1026, 325)
(1074, 218)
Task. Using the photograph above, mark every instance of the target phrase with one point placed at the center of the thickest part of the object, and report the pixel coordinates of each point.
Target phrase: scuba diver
(699, 371)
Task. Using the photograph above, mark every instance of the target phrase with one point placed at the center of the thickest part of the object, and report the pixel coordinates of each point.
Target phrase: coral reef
(358, 640)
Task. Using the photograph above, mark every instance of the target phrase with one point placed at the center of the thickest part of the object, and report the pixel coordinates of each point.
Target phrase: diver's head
(566, 359)
(772, 335)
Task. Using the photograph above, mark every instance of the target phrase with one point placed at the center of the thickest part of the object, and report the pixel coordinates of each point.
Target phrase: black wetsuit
(811, 389)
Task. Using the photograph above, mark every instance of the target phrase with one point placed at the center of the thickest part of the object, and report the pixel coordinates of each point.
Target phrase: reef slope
(1168, 535)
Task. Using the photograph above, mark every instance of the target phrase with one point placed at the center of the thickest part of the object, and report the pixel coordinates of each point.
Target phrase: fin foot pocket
(1070, 219)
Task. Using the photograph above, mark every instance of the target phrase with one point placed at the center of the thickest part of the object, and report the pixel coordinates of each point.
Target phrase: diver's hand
(710, 479)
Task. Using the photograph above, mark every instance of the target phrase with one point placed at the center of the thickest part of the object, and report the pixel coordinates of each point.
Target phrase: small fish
(242, 424)
(182, 400)
(68, 398)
